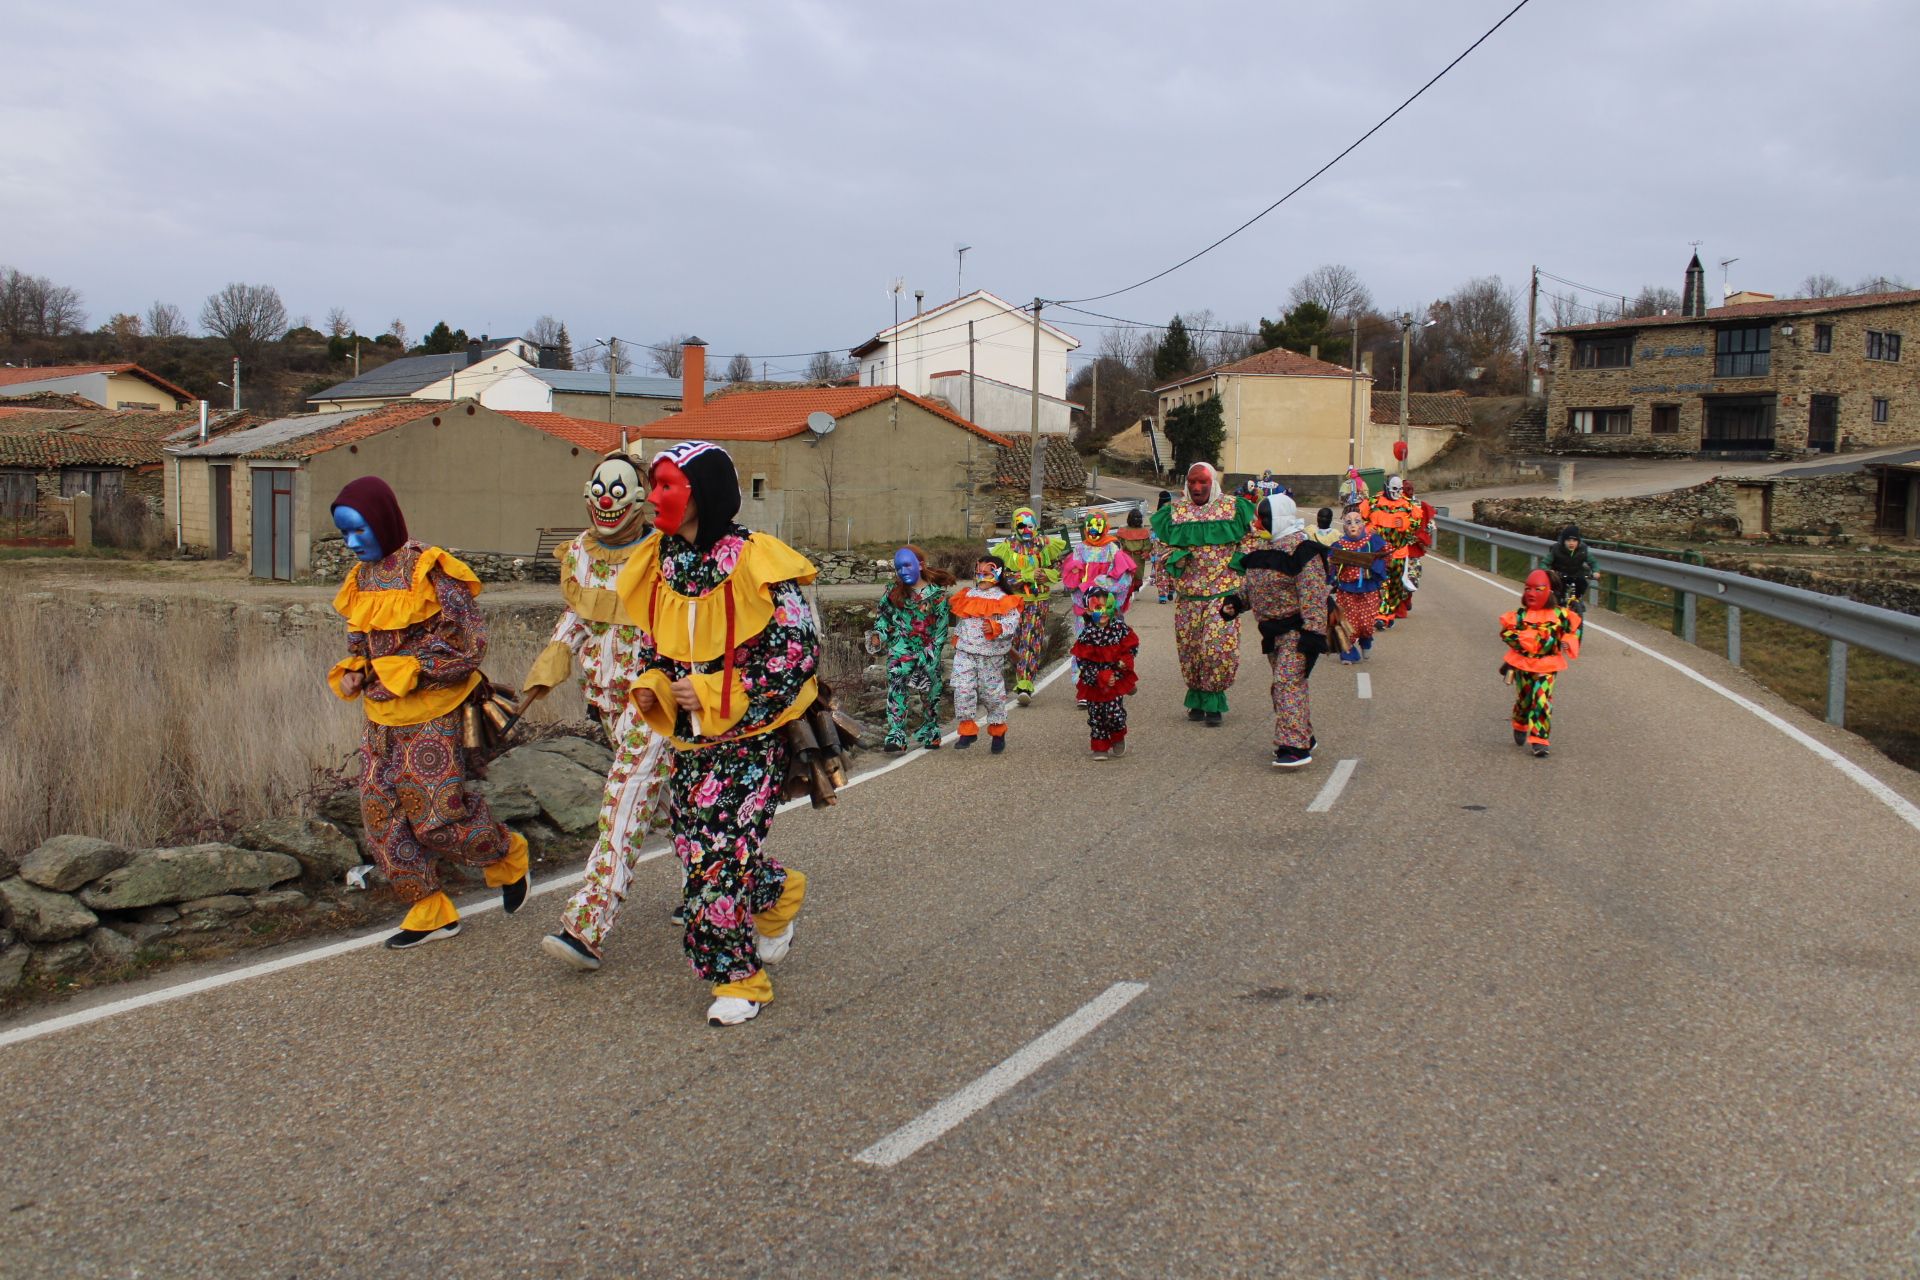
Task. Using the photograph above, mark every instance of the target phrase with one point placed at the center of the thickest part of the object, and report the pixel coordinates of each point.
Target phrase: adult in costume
(1358, 562)
(731, 650)
(1099, 563)
(1286, 589)
(415, 640)
(1542, 637)
(1397, 519)
(1030, 569)
(915, 618)
(985, 618)
(1203, 532)
(609, 646)
(1105, 652)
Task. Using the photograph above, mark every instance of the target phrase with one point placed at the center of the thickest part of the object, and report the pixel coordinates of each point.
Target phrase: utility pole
(356, 355)
(970, 415)
(1533, 320)
(1093, 413)
(613, 371)
(236, 384)
(1406, 354)
(1036, 475)
(1353, 394)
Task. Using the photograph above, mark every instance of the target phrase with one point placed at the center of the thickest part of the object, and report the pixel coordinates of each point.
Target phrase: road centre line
(1335, 784)
(491, 902)
(1365, 683)
(955, 1108)
(1903, 807)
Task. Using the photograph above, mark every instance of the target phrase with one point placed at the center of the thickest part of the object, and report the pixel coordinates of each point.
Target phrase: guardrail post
(1462, 557)
(1837, 683)
(1679, 612)
(1733, 634)
(1613, 592)
(1493, 557)
(1533, 562)
(1689, 617)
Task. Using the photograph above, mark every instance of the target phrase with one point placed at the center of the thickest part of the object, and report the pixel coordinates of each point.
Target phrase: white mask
(614, 498)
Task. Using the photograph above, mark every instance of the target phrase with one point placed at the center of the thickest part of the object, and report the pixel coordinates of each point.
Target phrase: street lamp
(1407, 326)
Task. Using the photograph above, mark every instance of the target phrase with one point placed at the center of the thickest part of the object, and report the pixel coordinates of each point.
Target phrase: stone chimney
(1693, 295)
(693, 375)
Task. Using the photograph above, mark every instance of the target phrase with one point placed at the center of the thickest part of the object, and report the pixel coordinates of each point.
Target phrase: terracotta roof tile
(781, 415)
(1424, 409)
(45, 373)
(1061, 465)
(1753, 311)
(1278, 362)
(45, 438)
(600, 437)
(355, 429)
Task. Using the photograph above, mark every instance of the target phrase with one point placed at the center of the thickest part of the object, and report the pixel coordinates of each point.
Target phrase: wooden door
(1823, 424)
(222, 512)
(272, 550)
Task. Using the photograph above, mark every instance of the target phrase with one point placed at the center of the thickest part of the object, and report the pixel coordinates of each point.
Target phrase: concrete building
(999, 406)
(1760, 376)
(936, 342)
(456, 375)
(111, 386)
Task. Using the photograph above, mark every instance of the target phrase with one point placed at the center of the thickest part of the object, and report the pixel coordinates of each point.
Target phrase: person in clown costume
(730, 648)
(911, 631)
(1030, 564)
(1105, 651)
(1286, 591)
(1397, 519)
(1542, 637)
(984, 620)
(415, 640)
(597, 632)
(1099, 562)
(1203, 532)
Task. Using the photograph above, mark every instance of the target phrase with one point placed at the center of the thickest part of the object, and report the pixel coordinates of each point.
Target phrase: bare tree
(612, 355)
(399, 330)
(668, 355)
(339, 323)
(829, 366)
(544, 332)
(164, 320)
(1653, 300)
(1881, 284)
(1820, 284)
(739, 369)
(248, 316)
(1475, 341)
(36, 307)
(1334, 286)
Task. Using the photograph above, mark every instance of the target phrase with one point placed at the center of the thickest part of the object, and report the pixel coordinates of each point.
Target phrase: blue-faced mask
(359, 536)
(906, 566)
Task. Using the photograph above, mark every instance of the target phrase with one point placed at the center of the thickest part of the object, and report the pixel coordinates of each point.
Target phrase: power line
(1350, 148)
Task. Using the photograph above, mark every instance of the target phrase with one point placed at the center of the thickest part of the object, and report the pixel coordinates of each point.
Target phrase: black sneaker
(930, 746)
(514, 896)
(569, 950)
(999, 743)
(1213, 719)
(893, 748)
(408, 938)
(1539, 751)
(1519, 737)
(1195, 713)
(679, 915)
(1291, 757)
(965, 740)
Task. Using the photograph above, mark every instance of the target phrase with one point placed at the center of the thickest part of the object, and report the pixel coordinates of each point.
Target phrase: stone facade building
(1768, 377)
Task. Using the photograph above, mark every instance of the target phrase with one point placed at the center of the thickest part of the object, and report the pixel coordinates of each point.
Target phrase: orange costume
(1542, 637)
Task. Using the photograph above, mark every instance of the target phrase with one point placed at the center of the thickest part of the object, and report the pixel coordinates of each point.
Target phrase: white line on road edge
(1336, 783)
(955, 1108)
(1365, 682)
(214, 981)
(1905, 808)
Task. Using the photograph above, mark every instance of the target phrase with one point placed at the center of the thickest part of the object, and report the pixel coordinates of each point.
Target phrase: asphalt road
(1644, 1008)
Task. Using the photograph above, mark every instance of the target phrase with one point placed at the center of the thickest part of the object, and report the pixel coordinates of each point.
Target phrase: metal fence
(1845, 623)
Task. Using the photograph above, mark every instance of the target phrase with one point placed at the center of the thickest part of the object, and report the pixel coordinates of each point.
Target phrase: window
(759, 488)
(1602, 353)
(1882, 346)
(1600, 422)
(1823, 337)
(1666, 419)
(1880, 409)
(1743, 353)
(1739, 423)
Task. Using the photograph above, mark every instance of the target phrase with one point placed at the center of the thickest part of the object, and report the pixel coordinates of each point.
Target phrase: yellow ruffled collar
(397, 608)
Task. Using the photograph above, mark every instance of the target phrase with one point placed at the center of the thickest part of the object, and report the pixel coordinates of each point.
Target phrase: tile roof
(780, 415)
(1424, 408)
(44, 438)
(50, 373)
(1753, 311)
(600, 437)
(48, 400)
(1276, 363)
(311, 434)
(1062, 467)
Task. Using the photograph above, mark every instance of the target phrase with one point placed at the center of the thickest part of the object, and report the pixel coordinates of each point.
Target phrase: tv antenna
(1726, 289)
(960, 271)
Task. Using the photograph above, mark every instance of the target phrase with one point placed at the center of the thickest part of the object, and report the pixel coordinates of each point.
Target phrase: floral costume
(1398, 521)
(1105, 651)
(610, 647)
(1098, 562)
(985, 619)
(1031, 572)
(1359, 569)
(913, 634)
(1542, 637)
(1286, 589)
(1202, 541)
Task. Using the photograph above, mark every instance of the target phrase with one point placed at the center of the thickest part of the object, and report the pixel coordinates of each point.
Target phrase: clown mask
(986, 575)
(1026, 529)
(1102, 603)
(613, 501)
(1094, 530)
(672, 498)
(1538, 593)
(1353, 525)
(906, 567)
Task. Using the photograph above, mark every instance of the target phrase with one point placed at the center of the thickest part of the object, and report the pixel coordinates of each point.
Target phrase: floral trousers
(631, 807)
(723, 800)
(1030, 642)
(417, 810)
(1533, 704)
(913, 684)
(979, 687)
(1209, 648)
(1292, 718)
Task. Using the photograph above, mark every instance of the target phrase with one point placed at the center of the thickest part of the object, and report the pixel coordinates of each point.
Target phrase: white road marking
(1905, 808)
(957, 1107)
(1336, 783)
(541, 885)
(1366, 684)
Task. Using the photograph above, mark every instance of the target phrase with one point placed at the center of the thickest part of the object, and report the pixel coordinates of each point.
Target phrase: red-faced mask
(1538, 592)
(670, 495)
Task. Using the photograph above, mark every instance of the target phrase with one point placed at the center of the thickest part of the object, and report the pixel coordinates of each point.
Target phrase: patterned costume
(722, 610)
(415, 640)
(1542, 637)
(1398, 520)
(1105, 651)
(912, 632)
(1030, 565)
(1357, 561)
(1202, 540)
(1098, 562)
(985, 619)
(1286, 589)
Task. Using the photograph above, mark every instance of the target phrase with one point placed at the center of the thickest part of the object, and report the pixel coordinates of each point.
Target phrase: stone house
(50, 454)
(1760, 376)
(110, 386)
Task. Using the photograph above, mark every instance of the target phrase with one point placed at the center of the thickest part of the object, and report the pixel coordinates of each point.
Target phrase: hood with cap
(374, 499)
(1213, 481)
(1281, 516)
(1571, 531)
(715, 485)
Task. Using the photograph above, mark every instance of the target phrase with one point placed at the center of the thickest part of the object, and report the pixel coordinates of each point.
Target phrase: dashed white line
(1365, 682)
(1336, 783)
(956, 1107)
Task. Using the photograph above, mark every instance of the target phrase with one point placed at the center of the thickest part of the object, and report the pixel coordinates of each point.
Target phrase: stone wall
(1796, 507)
(331, 559)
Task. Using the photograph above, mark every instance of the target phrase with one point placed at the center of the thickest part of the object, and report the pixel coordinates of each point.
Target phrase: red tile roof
(781, 415)
(355, 429)
(1277, 363)
(48, 400)
(46, 373)
(1424, 409)
(46, 438)
(1754, 311)
(600, 437)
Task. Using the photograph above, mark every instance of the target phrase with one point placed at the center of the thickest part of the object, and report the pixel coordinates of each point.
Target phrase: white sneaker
(731, 1011)
(774, 950)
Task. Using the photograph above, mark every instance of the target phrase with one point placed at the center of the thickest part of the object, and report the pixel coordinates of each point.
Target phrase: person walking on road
(733, 650)
(1030, 563)
(985, 618)
(1396, 518)
(1286, 591)
(1542, 637)
(1326, 530)
(912, 633)
(1137, 540)
(1358, 565)
(1203, 533)
(1105, 652)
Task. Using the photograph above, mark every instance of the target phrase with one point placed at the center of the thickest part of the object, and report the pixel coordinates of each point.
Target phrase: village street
(1427, 1007)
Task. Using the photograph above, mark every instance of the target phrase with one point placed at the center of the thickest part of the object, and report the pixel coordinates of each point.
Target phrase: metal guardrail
(1845, 623)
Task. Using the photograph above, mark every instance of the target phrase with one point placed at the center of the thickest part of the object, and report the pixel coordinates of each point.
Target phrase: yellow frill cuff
(421, 705)
(396, 610)
(694, 630)
(435, 911)
(758, 988)
(340, 669)
(549, 670)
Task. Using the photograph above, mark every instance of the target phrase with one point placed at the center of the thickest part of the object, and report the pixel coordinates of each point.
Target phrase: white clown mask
(614, 500)
(1395, 486)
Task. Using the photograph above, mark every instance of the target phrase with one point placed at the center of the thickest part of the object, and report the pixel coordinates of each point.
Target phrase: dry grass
(153, 725)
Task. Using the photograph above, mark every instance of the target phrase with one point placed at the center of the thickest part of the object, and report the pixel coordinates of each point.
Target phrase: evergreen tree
(442, 341)
(1196, 432)
(1302, 329)
(1174, 357)
(564, 360)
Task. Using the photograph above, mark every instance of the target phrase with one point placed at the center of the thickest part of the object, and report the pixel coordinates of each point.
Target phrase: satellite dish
(819, 422)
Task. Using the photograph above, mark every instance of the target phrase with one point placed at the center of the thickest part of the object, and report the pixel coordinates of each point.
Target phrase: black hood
(1571, 531)
(715, 484)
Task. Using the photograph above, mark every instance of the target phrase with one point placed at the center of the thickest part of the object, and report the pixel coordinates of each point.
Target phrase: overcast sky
(759, 172)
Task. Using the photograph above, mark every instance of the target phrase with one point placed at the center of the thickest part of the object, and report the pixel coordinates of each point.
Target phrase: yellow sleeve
(340, 669)
(550, 669)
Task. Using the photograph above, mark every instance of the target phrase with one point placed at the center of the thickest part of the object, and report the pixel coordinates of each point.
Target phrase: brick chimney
(693, 375)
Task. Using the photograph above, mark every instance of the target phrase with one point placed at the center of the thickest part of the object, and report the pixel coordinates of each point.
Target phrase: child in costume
(1137, 541)
(731, 652)
(1542, 637)
(1030, 569)
(1358, 565)
(1097, 564)
(415, 640)
(1105, 652)
(1286, 590)
(609, 645)
(1325, 531)
(912, 631)
(984, 621)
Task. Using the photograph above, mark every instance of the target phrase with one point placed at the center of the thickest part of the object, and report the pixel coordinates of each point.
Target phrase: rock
(8, 864)
(509, 804)
(13, 966)
(41, 915)
(279, 900)
(323, 851)
(584, 752)
(542, 839)
(342, 808)
(64, 863)
(196, 871)
(110, 947)
(61, 957)
(141, 934)
(221, 904)
(156, 915)
(567, 793)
